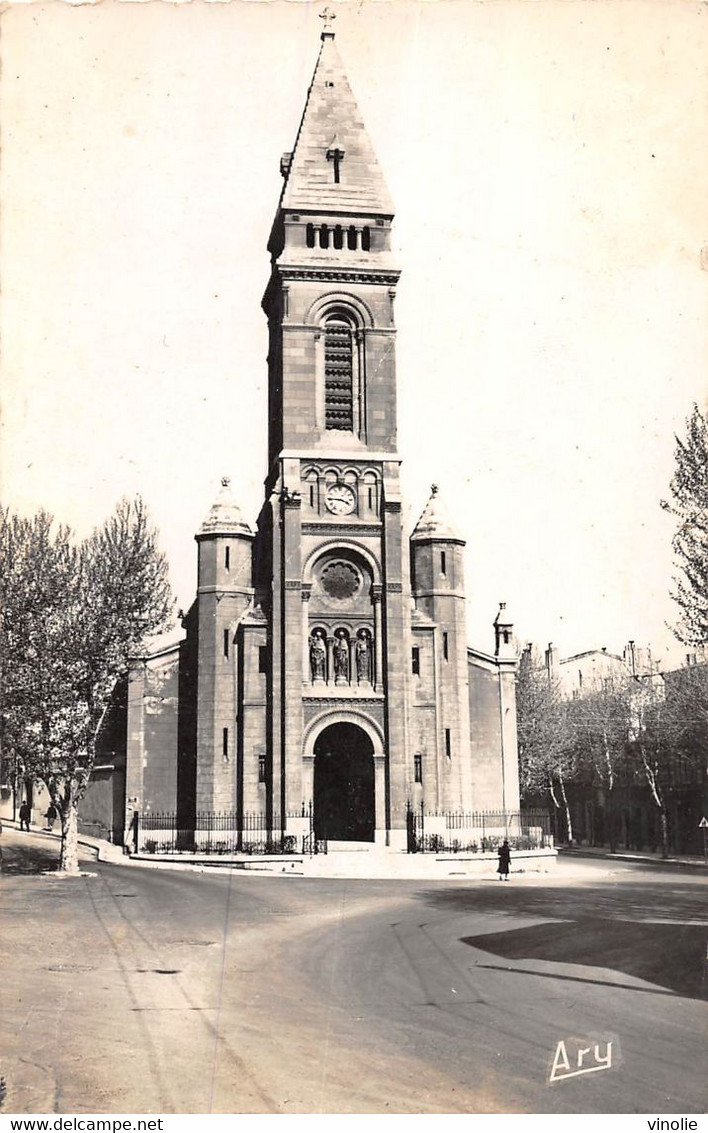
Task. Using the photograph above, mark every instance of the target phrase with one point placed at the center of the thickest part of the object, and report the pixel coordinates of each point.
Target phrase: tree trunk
(664, 833)
(652, 780)
(568, 820)
(69, 856)
(556, 804)
(611, 823)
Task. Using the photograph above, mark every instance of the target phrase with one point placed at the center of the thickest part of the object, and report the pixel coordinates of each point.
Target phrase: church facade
(325, 664)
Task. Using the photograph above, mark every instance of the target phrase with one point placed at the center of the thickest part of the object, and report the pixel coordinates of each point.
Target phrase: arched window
(338, 238)
(339, 371)
(351, 238)
(365, 240)
(324, 236)
(310, 235)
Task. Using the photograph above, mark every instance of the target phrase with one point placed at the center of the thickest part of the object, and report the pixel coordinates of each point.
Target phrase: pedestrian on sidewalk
(25, 814)
(504, 859)
(51, 817)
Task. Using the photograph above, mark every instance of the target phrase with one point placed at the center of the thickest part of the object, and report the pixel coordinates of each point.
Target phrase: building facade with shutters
(325, 661)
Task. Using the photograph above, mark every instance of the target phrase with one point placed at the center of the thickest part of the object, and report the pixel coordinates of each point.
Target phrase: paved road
(150, 991)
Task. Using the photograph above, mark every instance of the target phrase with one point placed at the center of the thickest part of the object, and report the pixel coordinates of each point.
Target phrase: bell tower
(330, 298)
(330, 543)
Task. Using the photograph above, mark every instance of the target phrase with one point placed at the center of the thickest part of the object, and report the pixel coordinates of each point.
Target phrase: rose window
(340, 581)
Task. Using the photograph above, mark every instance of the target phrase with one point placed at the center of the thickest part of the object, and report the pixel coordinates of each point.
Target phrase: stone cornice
(226, 591)
(436, 540)
(351, 455)
(341, 696)
(384, 276)
(439, 594)
(317, 330)
(357, 528)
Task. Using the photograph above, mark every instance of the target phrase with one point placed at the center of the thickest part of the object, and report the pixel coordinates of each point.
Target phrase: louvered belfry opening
(339, 372)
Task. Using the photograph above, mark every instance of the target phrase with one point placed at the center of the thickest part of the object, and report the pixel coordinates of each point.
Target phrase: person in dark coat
(25, 814)
(504, 859)
(51, 816)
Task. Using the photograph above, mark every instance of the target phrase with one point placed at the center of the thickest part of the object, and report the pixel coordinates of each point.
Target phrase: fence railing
(475, 831)
(230, 832)
(226, 832)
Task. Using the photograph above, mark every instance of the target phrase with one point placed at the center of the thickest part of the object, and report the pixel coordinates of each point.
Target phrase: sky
(549, 169)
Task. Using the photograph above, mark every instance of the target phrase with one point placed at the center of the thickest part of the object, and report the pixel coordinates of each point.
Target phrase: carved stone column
(308, 779)
(330, 660)
(378, 639)
(306, 669)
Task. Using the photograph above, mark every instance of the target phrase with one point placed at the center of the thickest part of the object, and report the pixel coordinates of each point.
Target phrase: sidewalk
(370, 865)
(104, 851)
(689, 861)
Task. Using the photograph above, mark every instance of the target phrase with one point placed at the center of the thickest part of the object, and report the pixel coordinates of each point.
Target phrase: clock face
(340, 500)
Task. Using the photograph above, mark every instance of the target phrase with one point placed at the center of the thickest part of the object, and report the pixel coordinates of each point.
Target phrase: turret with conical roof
(225, 545)
(224, 593)
(504, 644)
(435, 522)
(224, 516)
(437, 563)
(438, 587)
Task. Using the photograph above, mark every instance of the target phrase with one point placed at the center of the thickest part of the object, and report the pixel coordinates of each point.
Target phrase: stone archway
(344, 802)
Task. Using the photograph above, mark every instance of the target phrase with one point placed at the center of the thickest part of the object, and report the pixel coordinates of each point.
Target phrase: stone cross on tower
(335, 154)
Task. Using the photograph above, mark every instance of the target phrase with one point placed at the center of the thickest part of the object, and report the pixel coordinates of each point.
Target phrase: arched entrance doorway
(344, 784)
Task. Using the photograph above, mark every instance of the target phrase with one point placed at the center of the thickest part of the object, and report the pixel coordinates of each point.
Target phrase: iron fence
(226, 832)
(475, 832)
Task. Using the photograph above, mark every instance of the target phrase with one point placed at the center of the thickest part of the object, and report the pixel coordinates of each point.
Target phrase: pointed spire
(224, 517)
(435, 522)
(333, 165)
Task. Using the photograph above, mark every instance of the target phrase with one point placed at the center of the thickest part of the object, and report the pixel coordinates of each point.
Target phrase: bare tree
(73, 615)
(546, 756)
(653, 737)
(601, 723)
(689, 504)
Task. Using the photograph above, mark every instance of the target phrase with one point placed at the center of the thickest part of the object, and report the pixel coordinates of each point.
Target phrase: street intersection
(141, 990)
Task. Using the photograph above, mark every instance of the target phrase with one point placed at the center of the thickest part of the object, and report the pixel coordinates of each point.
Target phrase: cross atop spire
(329, 17)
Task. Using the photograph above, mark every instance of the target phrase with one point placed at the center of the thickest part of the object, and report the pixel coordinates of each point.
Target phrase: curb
(639, 859)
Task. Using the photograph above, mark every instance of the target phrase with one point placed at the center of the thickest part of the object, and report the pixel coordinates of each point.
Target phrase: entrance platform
(374, 863)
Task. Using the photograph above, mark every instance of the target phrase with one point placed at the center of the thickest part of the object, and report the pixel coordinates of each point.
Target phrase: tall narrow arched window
(339, 371)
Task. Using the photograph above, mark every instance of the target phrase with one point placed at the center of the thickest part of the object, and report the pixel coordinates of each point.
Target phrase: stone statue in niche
(318, 655)
(363, 656)
(341, 657)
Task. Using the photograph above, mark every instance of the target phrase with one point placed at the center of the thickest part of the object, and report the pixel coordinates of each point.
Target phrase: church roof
(224, 516)
(332, 125)
(435, 522)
